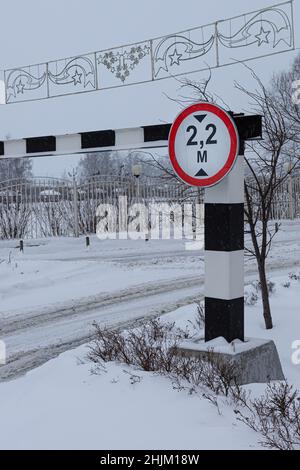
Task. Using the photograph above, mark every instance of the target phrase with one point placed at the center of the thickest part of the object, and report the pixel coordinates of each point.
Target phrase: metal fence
(43, 207)
(286, 200)
(286, 204)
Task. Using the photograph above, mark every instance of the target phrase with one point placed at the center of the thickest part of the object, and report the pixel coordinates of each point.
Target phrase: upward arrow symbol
(200, 117)
(201, 172)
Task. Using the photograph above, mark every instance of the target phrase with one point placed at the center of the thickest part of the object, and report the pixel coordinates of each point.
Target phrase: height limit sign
(203, 144)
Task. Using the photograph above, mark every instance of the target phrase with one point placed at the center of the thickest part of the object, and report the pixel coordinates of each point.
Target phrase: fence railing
(286, 200)
(44, 207)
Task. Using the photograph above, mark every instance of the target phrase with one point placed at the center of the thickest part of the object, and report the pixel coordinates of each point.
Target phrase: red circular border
(234, 143)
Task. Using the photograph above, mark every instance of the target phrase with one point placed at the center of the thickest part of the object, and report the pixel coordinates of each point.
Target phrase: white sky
(34, 31)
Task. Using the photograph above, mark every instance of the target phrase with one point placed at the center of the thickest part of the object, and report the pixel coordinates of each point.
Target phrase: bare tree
(98, 164)
(14, 214)
(14, 168)
(286, 87)
(269, 162)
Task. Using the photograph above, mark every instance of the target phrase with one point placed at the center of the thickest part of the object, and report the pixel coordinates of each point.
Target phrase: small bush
(152, 347)
(276, 416)
(270, 285)
(252, 292)
(199, 320)
(294, 276)
(250, 298)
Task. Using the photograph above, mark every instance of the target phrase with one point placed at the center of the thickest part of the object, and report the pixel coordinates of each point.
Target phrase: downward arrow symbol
(200, 117)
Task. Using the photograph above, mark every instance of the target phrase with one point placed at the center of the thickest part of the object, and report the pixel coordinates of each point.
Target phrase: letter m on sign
(202, 157)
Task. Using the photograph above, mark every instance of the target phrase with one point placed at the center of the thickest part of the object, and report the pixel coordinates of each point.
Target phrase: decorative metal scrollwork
(173, 50)
(258, 34)
(20, 81)
(269, 26)
(122, 62)
(72, 76)
(77, 71)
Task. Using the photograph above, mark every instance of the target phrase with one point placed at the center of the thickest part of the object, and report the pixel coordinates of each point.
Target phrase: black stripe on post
(1, 148)
(154, 133)
(98, 139)
(41, 144)
(224, 318)
(224, 227)
(249, 127)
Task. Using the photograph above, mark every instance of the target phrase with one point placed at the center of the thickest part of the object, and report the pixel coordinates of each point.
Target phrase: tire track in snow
(107, 309)
(92, 303)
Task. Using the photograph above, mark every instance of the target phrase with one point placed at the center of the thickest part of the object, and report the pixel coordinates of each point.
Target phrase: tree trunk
(265, 295)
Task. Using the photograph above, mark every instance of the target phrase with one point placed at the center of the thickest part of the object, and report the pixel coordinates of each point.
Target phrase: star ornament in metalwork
(77, 77)
(175, 57)
(20, 87)
(262, 37)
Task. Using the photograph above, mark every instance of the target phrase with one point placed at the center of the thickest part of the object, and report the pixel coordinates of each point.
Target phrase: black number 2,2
(209, 140)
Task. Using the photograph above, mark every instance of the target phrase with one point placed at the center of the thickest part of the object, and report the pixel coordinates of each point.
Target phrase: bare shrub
(152, 347)
(252, 293)
(250, 298)
(212, 372)
(199, 320)
(294, 276)
(270, 286)
(276, 416)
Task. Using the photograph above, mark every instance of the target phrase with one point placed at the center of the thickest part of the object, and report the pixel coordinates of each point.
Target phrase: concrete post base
(256, 360)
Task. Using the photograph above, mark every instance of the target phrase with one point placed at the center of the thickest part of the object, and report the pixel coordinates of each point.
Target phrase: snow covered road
(34, 338)
(53, 292)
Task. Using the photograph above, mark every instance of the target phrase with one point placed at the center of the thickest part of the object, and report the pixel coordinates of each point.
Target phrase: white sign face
(203, 144)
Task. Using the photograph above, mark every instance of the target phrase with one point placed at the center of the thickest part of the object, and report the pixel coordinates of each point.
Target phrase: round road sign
(203, 144)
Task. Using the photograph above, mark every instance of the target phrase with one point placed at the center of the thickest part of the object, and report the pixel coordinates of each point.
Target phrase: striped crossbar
(100, 141)
(86, 142)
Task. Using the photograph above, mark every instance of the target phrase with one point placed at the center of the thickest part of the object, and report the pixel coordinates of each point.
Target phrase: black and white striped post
(224, 256)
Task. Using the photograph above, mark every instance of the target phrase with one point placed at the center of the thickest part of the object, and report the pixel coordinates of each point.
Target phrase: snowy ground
(49, 297)
(62, 405)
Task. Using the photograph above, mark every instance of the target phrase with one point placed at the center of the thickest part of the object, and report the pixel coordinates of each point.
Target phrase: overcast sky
(34, 31)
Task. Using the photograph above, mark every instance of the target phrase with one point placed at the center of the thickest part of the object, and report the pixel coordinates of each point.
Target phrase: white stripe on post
(231, 188)
(224, 274)
(224, 263)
